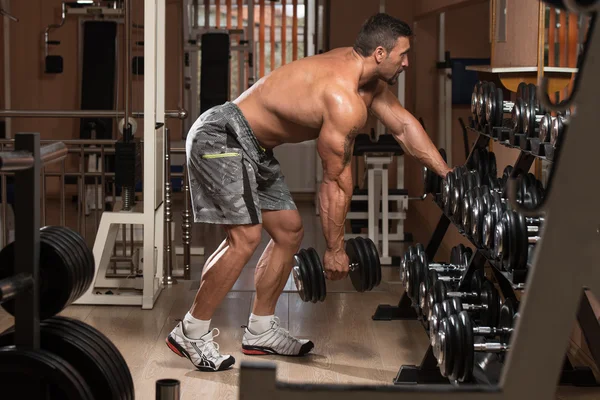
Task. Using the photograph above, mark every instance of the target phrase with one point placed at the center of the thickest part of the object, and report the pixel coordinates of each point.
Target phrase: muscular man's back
(288, 105)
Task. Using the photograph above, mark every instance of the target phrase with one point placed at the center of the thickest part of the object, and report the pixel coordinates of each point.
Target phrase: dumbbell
(496, 106)
(447, 308)
(409, 255)
(558, 126)
(455, 345)
(483, 293)
(365, 269)
(426, 274)
(512, 238)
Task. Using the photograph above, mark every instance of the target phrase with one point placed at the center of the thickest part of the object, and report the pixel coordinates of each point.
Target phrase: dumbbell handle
(533, 239)
(462, 295)
(490, 330)
(491, 347)
(443, 267)
(446, 278)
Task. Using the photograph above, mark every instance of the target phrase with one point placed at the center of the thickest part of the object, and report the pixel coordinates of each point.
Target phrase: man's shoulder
(340, 101)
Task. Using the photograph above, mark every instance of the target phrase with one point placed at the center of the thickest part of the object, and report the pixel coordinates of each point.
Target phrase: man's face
(395, 62)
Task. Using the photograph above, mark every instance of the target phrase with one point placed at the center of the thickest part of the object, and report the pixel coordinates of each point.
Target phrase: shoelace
(211, 345)
(282, 331)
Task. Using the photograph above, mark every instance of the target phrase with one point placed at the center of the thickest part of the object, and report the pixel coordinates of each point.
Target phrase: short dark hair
(380, 30)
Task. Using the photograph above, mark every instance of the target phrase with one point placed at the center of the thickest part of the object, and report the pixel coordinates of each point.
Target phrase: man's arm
(408, 131)
(335, 146)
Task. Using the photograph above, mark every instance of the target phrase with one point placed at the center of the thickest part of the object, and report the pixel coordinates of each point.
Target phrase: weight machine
(563, 269)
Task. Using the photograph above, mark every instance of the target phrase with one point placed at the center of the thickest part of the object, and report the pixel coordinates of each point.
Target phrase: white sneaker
(203, 352)
(276, 340)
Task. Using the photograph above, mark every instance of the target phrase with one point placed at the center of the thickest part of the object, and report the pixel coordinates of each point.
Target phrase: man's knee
(288, 231)
(244, 238)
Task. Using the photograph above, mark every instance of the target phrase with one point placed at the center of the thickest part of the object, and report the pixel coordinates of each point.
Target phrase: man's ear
(380, 54)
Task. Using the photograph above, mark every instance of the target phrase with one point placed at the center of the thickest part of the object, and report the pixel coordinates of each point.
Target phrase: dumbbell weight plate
(475, 159)
(370, 270)
(522, 90)
(475, 99)
(468, 355)
(523, 247)
(375, 261)
(83, 356)
(85, 251)
(20, 367)
(308, 271)
(359, 275)
(319, 283)
(445, 358)
(106, 348)
(67, 255)
(483, 163)
(457, 342)
(489, 297)
(302, 277)
(76, 256)
(56, 278)
(506, 319)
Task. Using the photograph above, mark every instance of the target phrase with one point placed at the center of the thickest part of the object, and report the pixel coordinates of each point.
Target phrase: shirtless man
(236, 182)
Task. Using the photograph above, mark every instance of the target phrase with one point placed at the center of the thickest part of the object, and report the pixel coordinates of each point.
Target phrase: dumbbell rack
(26, 161)
(508, 282)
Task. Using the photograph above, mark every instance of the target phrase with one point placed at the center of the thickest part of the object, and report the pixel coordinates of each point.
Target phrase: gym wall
(32, 89)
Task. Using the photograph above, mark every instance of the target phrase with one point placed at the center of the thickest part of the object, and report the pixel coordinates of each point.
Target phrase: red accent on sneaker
(255, 352)
(173, 349)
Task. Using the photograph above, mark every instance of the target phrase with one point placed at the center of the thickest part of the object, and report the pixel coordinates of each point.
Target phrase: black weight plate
(312, 276)
(55, 279)
(532, 188)
(445, 347)
(105, 347)
(305, 274)
(374, 257)
(69, 260)
(317, 273)
(468, 355)
(23, 368)
(523, 245)
(363, 264)
(474, 98)
(490, 104)
(439, 292)
(356, 276)
(506, 319)
(303, 278)
(522, 90)
(432, 278)
(454, 255)
(515, 238)
(85, 251)
(457, 346)
(476, 281)
(369, 273)
(468, 253)
(75, 350)
(320, 274)
(77, 256)
(499, 109)
(489, 299)
(419, 249)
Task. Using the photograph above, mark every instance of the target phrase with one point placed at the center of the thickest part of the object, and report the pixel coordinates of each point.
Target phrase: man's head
(387, 40)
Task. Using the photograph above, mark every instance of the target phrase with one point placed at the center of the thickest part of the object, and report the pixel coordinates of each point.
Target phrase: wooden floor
(349, 346)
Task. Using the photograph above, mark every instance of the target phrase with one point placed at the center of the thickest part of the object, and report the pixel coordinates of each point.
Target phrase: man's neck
(367, 72)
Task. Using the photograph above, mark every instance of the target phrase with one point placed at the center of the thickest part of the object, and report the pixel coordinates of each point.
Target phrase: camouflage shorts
(232, 178)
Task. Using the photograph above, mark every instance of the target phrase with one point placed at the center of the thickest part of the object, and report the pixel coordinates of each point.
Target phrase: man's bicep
(387, 108)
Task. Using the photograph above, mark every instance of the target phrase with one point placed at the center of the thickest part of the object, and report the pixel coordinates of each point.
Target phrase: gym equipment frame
(533, 366)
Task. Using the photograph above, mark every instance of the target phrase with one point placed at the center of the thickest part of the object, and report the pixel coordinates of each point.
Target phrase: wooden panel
(425, 8)
(229, 11)
(218, 13)
(520, 48)
(551, 37)
(283, 33)
(295, 30)
(272, 31)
